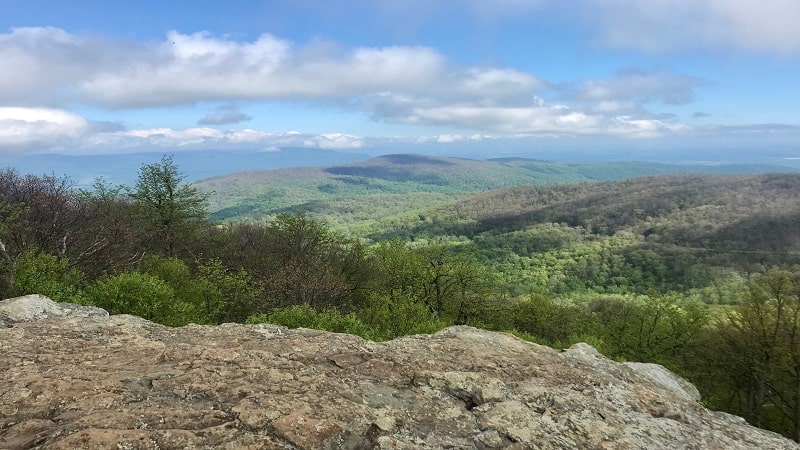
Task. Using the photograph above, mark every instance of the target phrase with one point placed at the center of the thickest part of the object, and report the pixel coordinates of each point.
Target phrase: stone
(75, 378)
(37, 307)
(659, 375)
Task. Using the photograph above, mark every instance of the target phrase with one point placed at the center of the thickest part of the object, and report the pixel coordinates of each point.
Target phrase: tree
(168, 211)
(38, 214)
(226, 295)
(108, 245)
(655, 328)
(760, 352)
(9, 218)
(297, 260)
(312, 265)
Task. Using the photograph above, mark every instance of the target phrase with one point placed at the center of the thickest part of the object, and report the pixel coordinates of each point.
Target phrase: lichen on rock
(74, 378)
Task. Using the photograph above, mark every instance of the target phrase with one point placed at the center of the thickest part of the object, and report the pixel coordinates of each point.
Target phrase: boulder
(36, 307)
(95, 382)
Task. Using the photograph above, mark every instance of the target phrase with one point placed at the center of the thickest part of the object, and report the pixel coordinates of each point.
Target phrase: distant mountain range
(122, 168)
(398, 184)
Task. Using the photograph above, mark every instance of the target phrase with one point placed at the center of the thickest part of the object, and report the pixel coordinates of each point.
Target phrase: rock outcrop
(74, 379)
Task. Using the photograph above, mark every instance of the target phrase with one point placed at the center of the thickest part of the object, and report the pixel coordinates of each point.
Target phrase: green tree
(38, 214)
(168, 211)
(48, 275)
(551, 322)
(9, 220)
(109, 244)
(304, 263)
(654, 328)
(759, 352)
(399, 271)
(226, 295)
(305, 316)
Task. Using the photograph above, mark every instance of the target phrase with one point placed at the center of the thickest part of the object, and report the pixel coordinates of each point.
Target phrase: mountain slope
(415, 181)
(680, 201)
(665, 232)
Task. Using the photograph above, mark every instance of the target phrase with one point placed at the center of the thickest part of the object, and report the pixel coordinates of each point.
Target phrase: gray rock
(122, 382)
(659, 375)
(36, 307)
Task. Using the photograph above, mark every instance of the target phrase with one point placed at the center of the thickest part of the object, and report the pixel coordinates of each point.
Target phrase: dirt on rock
(81, 380)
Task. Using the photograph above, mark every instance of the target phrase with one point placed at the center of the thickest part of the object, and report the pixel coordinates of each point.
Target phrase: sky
(99, 76)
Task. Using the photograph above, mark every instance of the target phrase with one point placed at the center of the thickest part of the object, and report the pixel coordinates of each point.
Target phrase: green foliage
(143, 295)
(304, 316)
(227, 295)
(168, 211)
(391, 317)
(132, 293)
(550, 321)
(48, 275)
(653, 328)
(758, 350)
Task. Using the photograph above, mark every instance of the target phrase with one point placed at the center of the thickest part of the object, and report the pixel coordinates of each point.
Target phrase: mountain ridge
(259, 194)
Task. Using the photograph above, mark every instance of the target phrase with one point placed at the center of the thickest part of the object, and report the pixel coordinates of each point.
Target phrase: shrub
(48, 275)
(143, 295)
(304, 316)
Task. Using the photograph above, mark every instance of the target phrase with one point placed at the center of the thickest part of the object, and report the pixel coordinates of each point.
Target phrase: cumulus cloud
(202, 138)
(195, 67)
(23, 129)
(669, 25)
(188, 68)
(49, 64)
(540, 118)
(394, 84)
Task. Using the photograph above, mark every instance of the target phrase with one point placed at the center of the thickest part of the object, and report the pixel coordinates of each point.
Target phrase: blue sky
(484, 75)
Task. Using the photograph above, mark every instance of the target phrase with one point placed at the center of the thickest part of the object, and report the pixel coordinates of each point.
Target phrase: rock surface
(96, 382)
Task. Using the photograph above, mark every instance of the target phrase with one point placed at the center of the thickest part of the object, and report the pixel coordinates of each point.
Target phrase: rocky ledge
(73, 377)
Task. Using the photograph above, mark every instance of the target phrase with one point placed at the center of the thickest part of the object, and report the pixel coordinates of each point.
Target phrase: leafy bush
(48, 275)
(304, 316)
(399, 316)
(143, 295)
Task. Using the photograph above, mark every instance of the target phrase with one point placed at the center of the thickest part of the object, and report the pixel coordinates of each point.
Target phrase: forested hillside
(696, 272)
(399, 185)
(669, 232)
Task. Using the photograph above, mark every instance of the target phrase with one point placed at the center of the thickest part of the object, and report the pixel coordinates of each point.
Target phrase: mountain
(685, 200)
(403, 183)
(673, 232)
(82, 379)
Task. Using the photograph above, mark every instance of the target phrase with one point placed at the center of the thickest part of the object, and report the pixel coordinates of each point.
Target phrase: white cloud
(541, 119)
(394, 84)
(201, 138)
(334, 141)
(450, 138)
(53, 66)
(23, 129)
(199, 67)
(724, 25)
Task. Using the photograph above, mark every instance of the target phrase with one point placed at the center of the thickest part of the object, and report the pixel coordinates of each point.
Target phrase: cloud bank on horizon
(436, 73)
